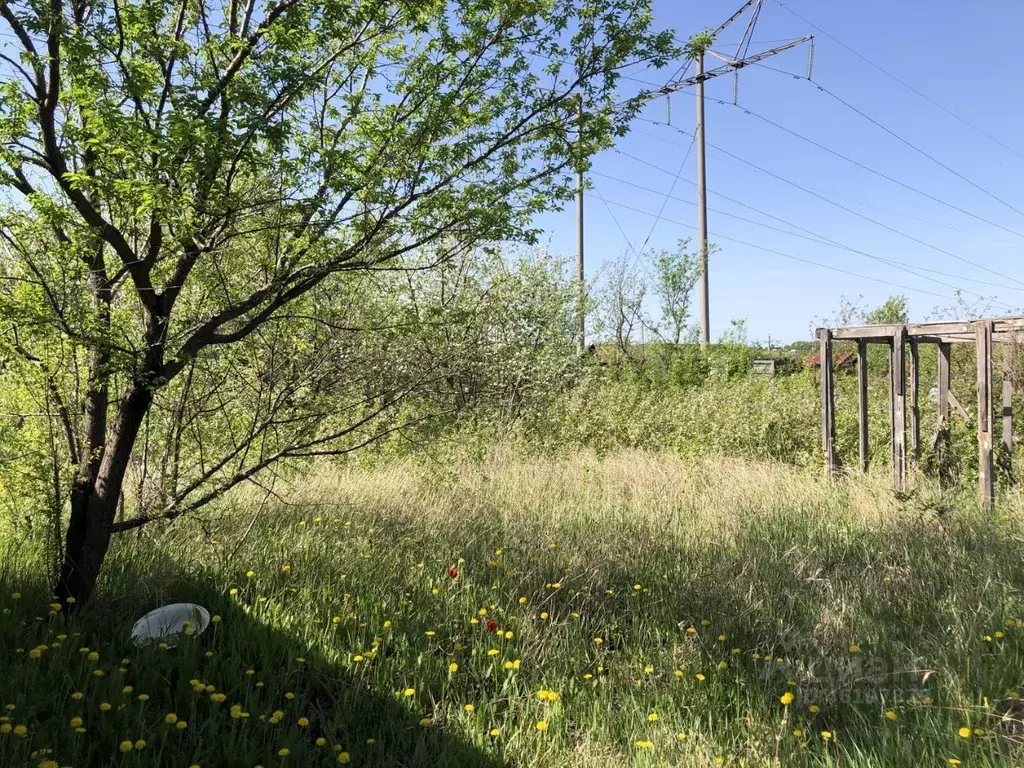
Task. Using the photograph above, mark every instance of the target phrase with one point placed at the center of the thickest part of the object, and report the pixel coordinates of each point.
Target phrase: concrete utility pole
(702, 208)
(581, 285)
(698, 45)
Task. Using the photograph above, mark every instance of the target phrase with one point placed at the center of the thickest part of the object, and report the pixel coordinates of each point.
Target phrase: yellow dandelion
(787, 698)
(652, 717)
(143, 697)
(425, 722)
(344, 757)
(797, 732)
(284, 752)
(642, 744)
(543, 615)
(854, 648)
(523, 601)
(826, 735)
(468, 707)
(890, 715)
(181, 725)
(217, 697)
(453, 668)
(494, 732)
(542, 725)
(409, 692)
(125, 746)
(813, 708)
(302, 722)
(289, 695)
(965, 733)
(76, 722)
(700, 677)
(170, 718)
(140, 744)
(104, 707)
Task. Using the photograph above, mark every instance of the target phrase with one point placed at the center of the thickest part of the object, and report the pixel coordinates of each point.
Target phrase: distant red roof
(814, 361)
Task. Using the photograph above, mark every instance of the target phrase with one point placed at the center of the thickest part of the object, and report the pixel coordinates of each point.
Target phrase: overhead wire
(833, 194)
(857, 163)
(813, 237)
(789, 255)
(850, 210)
(916, 148)
(902, 82)
(664, 202)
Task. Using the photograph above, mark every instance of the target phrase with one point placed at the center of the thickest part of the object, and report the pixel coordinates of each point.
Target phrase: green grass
(678, 568)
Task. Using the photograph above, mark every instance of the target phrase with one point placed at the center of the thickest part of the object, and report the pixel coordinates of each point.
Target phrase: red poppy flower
(453, 572)
(491, 626)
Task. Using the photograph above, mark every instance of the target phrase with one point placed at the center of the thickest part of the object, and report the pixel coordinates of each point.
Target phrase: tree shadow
(265, 670)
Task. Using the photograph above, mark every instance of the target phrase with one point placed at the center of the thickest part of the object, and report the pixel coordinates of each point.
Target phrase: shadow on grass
(259, 668)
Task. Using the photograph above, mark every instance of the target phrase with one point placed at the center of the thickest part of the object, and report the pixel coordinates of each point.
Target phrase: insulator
(735, 86)
(668, 109)
(810, 60)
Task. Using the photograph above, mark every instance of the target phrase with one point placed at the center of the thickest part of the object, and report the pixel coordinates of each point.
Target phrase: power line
(833, 194)
(862, 166)
(905, 84)
(791, 256)
(614, 219)
(855, 213)
(664, 202)
(916, 148)
(817, 238)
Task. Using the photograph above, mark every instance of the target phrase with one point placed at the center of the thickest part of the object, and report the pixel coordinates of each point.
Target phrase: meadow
(637, 609)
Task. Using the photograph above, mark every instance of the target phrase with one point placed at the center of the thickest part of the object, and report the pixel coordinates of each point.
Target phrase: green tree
(892, 312)
(675, 274)
(195, 189)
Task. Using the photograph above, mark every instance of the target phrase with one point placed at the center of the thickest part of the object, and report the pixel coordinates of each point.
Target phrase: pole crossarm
(725, 69)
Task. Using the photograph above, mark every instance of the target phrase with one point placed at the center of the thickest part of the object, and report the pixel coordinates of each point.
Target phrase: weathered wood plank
(828, 404)
(983, 350)
(943, 384)
(897, 387)
(1009, 352)
(915, 408)
(862, 404)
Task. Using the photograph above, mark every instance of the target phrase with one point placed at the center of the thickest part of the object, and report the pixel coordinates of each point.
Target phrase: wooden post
(1008, 356)
(828, 404)
(915, 409)
(943, 383)
(983, 350)
(897, 388)
(862, 403)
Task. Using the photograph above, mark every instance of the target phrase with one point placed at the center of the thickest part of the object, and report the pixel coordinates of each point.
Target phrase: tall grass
(667, 610)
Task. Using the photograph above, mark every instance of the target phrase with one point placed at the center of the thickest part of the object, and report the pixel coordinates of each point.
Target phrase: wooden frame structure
(984, 334)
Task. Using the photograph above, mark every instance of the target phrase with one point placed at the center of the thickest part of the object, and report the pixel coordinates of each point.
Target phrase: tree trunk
(94, 501)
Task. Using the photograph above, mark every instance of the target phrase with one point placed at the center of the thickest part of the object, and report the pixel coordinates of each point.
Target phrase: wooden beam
(857, 332)
(983, 350)
(1009, 351)
(828, 404)
(943, 367)
(959, 330)
(862, 404)
(958, 408)
(915, 408)
(897, 386)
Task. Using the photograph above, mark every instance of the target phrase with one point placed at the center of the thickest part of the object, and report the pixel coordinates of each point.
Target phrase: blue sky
(963, 55)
